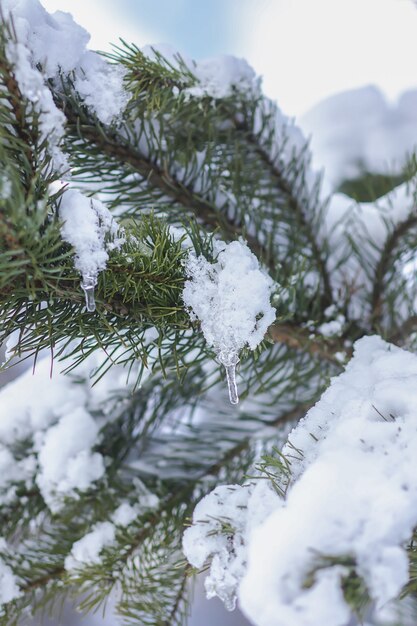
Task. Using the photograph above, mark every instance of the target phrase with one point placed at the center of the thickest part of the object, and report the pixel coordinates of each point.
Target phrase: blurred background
(346, 69)
(306, 50)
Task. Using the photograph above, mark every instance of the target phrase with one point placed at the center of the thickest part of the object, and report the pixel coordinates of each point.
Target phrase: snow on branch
(221, 77)
(352, 498)
(61, 429)
(45, 46)
(92, 230)
(231, 299)
(363, 238)
(103, 534)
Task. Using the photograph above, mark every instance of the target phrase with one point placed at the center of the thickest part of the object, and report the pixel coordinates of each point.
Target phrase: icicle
(229, 359)
(88, 285)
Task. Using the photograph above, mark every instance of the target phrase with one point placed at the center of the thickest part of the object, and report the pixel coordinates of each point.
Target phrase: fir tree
(160, 225)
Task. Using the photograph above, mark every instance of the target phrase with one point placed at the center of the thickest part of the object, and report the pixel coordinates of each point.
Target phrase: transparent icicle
(88, 285)
(229, 359)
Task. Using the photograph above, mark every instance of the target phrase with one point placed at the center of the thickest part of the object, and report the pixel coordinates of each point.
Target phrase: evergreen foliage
(213, 168)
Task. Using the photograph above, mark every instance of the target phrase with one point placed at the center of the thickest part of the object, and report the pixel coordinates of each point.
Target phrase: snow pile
(55, 41)
(56, 44)
(221, 522)
(100, 86)
(367, 225)
(59, 431)
(222, 77)
(230, 297)
(359, 131)
(353, 493)
(87, 550)
(32, 86)
(91, 229)
(9, 589)
(65, 457)
(333, 327)
(217, 77)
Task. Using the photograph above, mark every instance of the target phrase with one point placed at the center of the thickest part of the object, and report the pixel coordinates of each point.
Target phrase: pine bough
(160, 224)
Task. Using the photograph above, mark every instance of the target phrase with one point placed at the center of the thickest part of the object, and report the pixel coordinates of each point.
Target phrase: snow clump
(91, 229)
(219, 532)
(221, 77)
(66, 460)
(59, 430)
(230, 297)
(48, 45)
(87, 550)
(352, 493)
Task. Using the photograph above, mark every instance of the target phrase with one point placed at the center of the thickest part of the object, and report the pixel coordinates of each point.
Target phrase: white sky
(104, 22)
(305, 49)
(309, 49)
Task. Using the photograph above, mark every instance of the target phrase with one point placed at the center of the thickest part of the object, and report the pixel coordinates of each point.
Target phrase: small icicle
(88, 285)
(229, 359)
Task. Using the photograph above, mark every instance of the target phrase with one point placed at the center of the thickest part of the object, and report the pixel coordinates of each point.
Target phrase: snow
(66, 461)
(11, 346)
(230, 297)
(217, 77)
(332, 328)
(124, 514)
(222, 77)
(100, 85)
(91, 229)
(5, 187)
(21, 416)
(367, 225)
(49, 45)
(55, 41)
(353, 492)
(231, 300)
(358, 130)
(54, 417)
(88, 548)
(12, 471)
(209, 535)
(32, 87)
(9, 589)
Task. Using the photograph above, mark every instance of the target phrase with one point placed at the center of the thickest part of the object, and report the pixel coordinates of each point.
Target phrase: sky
(306, 50)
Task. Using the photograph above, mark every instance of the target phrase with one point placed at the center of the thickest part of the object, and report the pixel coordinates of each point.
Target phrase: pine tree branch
(383, 267)
(150, 74)
(22, 130)
(185, 494)
(114, 146)
(67, 289)
(181, 495)
(179, 599)
(42, 581)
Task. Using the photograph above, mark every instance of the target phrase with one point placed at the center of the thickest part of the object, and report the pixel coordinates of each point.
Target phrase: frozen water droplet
(88, 285)
(229, 359)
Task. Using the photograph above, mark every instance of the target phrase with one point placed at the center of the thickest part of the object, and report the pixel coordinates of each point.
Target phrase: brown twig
(300, 338)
